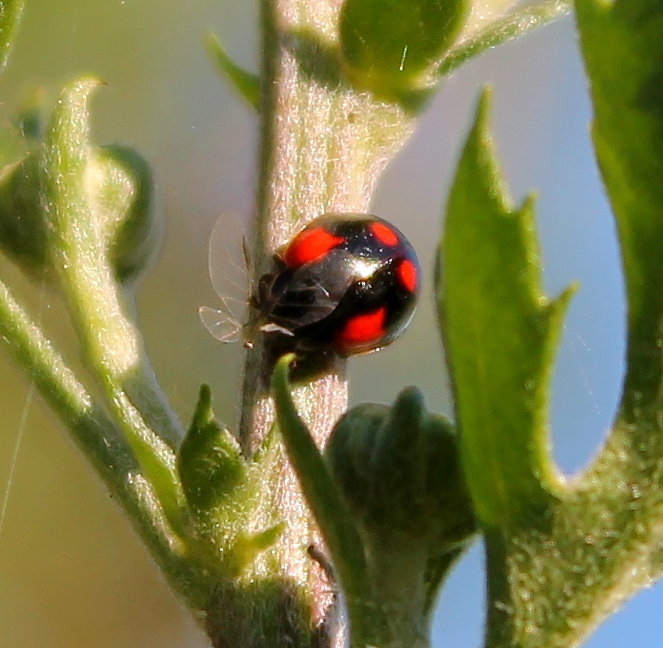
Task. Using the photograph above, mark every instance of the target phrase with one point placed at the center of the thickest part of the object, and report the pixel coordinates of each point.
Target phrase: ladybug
(346, 283)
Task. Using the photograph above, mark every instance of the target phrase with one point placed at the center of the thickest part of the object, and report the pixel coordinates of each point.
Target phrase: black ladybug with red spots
(346, 283)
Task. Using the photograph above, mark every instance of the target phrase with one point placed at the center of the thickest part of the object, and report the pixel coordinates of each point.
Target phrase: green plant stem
(82, 256)
(400, 596)
(334, 517)
(504, 29)
(99, 439)
(323, 146)
(10, 16)
(112, 345)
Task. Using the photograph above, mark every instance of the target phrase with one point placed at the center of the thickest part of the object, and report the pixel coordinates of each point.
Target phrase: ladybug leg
(270, 327)
(259, 297)
(320, 557)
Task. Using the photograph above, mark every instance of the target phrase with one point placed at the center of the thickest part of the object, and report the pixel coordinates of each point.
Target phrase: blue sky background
(71, 573)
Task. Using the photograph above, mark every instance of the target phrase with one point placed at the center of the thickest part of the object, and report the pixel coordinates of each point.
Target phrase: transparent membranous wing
(229, 272)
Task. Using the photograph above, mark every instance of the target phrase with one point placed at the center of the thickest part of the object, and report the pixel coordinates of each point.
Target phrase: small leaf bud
(208, 461)
(398, 469)
(22, 221)
(389, 47)
(119, 189)
(108, 189)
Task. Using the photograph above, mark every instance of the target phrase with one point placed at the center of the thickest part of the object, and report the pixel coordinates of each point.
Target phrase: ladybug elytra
(346, 282)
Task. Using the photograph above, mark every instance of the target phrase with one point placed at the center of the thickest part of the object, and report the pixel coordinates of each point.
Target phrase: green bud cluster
(117, 187)
(398, 470)
(221, 489)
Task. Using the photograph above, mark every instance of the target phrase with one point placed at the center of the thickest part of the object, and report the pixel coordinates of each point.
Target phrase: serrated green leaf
(10, 15)
(245, 84)
(208, 461)
(621, 45)
(388, 44)
(500, 333)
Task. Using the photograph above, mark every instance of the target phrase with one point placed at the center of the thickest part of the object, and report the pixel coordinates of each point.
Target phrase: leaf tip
(481, 127)
(204, 401)
(562, 300)
(281, 369)
(485, 100)
(480, 130)
(85, 84)
(245, 84)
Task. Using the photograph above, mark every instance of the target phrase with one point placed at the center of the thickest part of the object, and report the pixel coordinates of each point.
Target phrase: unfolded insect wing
(220, 324)
(229, 263)
(229, 273)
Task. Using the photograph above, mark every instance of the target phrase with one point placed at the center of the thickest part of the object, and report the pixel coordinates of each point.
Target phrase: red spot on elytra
(384, 234)
(407, 275)
(311, 245)
(363, 328)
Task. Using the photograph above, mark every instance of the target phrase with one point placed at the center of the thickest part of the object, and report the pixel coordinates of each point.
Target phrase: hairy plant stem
(100, 440)
(323, 147)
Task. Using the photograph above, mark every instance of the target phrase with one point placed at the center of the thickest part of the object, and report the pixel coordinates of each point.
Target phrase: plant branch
(323, 147)
(98, 438)
(79, 251)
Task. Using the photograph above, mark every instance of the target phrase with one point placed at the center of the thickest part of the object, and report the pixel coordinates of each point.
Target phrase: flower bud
(209, 461)
(22, 220)
(390, 48)
(112, 189)
(119, 189)
(398, 469)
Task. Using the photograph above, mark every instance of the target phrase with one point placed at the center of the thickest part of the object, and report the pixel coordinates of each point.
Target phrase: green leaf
(246, 85)
(10, 15)
(389, 45)
(209, 460)
(621, 45)
(500, 333)
(513, 25)
(79, 254)
(323, 496)
(319, 487)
